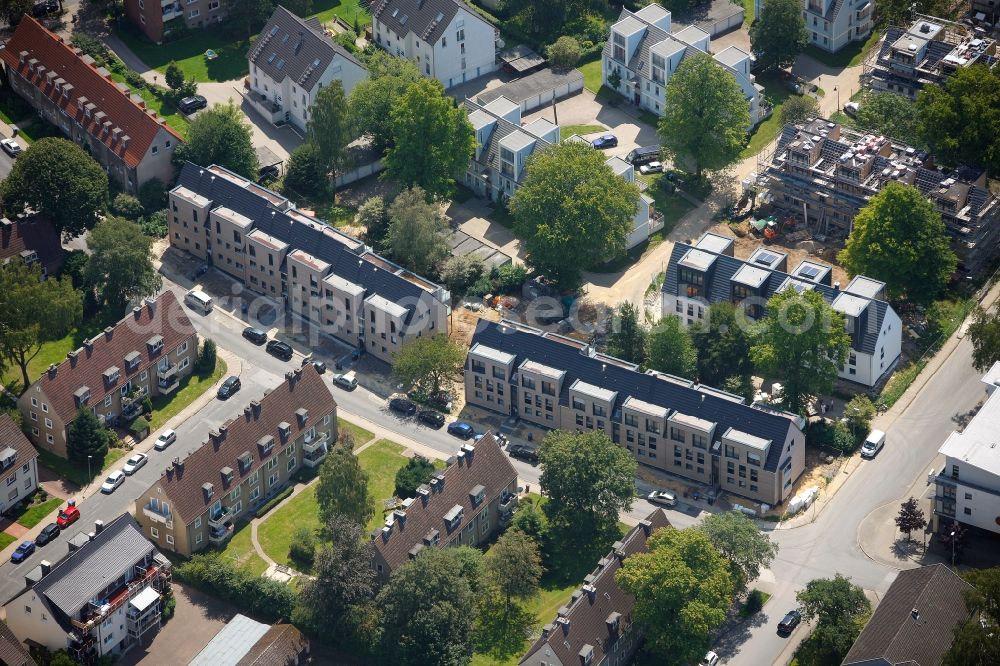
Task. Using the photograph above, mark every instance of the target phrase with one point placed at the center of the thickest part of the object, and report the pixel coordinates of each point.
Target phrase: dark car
(229, 387)
(44, 8)
(789, 622)
(280, 349)
(48, 533)
(523, 452)
(255, 335)
(191, 104)
(403, 406)
(461, 429)
(431, 418)
(319, 365)
(22, 552)
(605, 141)
(643, 155)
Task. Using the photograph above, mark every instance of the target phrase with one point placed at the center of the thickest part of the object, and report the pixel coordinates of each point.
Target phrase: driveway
(282, 140)
(471, 218)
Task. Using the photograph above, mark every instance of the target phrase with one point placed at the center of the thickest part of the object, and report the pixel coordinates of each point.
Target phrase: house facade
(290, 63)
(32, 238)
(464, 504)
(665, 422)
(446, 39)
(157, 21)
(245, 461)
(642, 53)
(708, 272)
(18, 464)
(103, 117)
(302, 265)
(833, 24)
(100, 600)
(145, 354)
(825, 173)
(646, 219)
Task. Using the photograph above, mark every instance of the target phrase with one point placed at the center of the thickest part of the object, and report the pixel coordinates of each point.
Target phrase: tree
(458, 273)
(58, 179)
(153, 196)
(302, 8)
(682, 588)
(799, 108)
(738, 539)
(371, 101)
(306, 175)
(374, 217)
(121, 263)
(427, 612)
(888, 114)
(429, 362)
(804, 341)
(589, 479)
(859, 412)
(174, 75)
(564, 53)
(513, 566)
(779, 34)
(722, 341)
(572, 211)
(958, 121)
(329, 129)
(416, 472)
(910, 517)
(627, 340)
(74, 267)
(529, 520)
(976, 640)
(840, 608)
(33, 312)
(205, 365)
(984, 331)
(127, 206)
(432, 139)
(671, 349)
(899, 238)
(249, 13)
(416, 232)
(302, 549)
(343, 488)
(87, 438)
(705, 117)
(221, 135)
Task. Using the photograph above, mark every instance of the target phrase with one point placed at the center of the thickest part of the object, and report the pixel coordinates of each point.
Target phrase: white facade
(294, 102)
(646, 220)
(20, 479)
(833, 24)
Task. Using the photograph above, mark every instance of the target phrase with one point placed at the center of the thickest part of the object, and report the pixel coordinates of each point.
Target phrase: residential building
(34, 239)
(825, 173)
(158, 21)
(967, 488)
(644, 53)
(666, 422)
(833, 24)
(927, 52)
(246, 642)
(301, 264)
(12, 651)
(290, 63)
(18, 464)
(446, 39)
(646, 220)
(101, 599)
(245, 462)
(708, 272)
(914, 623)
(145, 354)
(596, 626)
(105, 118)
(464, 504)
(985, 11)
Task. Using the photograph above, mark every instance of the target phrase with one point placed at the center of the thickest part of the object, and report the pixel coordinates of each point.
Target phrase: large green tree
(429, 362)
(87, 439)
(741, 542)
(682, 588)
(804, 341)
(958, 121)
(415, 237)
(329, 129)
(432, 139)
(572, 211)
(220, 135)
(705, 117)
(370, 103)
(32, 312)
(249, 13)
(671, 349)
(723, 342)
(984, 331)
(12, 10)
(778, 35)
(343, 488)
(416, 472)
(899, 238)
(512, 568)
(306, 174)
(976, 641)
(840, 609)
(121, 268)
(890, 115)
(57, 178)
(627, 340)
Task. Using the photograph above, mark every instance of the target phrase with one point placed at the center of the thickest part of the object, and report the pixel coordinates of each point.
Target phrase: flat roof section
(697, 259)
(386, 305)
(850, 305)
(241, 221)
(537, 368)
(191, 196)
(866, 287)
(595, 392)
(747, 439)
(647, 408)
(714, 243)
(495, 355)
(751, 276)
(692, 422)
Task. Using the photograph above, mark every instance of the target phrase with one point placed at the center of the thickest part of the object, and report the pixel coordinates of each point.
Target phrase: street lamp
(89, 477)
(838, 97)
(953, 549)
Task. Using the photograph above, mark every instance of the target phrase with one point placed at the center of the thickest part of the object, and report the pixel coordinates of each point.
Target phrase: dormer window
(477, 495)
(265, 445)
(454, 517)
(302, 414)
(8, 457)
(285, 430)
(81, 396)
(208, 490)
(111, 375)
(227, 475)
(132, 360)
(155, 344)
(246, 461)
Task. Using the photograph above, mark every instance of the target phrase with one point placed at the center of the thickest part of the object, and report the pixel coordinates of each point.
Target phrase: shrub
(153, 195)
(798, 109)
(205, 364)
(75, 266)
(564, 53)
(482, 287)
(412, 475)
(127, 206)
(155, 225)
(257, 596)
(305, 174)
(169, 606)
(461, 272)
(147, 405)
(348, 40)
(273, 502)
(510, 277)
(174, 76)
(755, 602)
(302, 550)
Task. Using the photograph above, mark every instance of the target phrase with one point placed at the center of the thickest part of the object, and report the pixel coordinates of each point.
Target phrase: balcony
(169, 372)
(319, 441)
(157, 517)
(171, 10)
(270, 109)
(221, 518)
(94, 613)
(138, 625)
(219, 535)
(315, 458)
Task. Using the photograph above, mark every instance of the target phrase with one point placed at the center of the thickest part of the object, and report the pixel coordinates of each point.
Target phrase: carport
(538, 89)
(268, 162)
(520, 60)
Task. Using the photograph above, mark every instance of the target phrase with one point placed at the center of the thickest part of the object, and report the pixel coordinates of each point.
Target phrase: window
(291, 464)
(170, 539)
(153, 532)
(273, 479)
(676, 434)
(967, 511)
(197, 538)
(197, 522)
(48, 423)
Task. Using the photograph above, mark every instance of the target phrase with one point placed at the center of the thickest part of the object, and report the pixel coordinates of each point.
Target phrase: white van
(873, 444)
(198, 300)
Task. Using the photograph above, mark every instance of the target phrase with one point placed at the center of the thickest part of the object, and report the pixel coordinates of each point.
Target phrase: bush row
(273, 502)
(260, 597)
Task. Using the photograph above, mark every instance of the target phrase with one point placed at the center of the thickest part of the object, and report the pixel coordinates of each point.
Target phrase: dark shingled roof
(31, 233)
(893, 636)
(12, 437)
(427, 19)
(281, 645)
(12, 652)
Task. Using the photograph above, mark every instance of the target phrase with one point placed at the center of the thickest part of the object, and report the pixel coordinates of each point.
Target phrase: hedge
(257, 596)
(273, 502)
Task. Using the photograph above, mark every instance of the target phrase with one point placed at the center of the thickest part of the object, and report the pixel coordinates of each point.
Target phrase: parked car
(873, 444)
(319, 365)
(48, 533)
(110, 485)
(789, 622)
(229, 387)
(652, 167)
(522, 452)
(22, 552)
(68, 515)
(279, 349)
(255, 335)
(643, 155)
(431, 418)
(461, 429)
(44, 8)
(663, 497)
(605, 141)
(11, 147)
(346, 380)
(189, 105)
(403, 406)
(710, 659)
(166, 438)
(852, 108)
(133, 464)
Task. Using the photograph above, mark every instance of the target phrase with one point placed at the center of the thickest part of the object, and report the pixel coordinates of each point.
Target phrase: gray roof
(427, 19)
(532, 85)
(232, 643)
(289, 46)
(653, 35)
(489, 156)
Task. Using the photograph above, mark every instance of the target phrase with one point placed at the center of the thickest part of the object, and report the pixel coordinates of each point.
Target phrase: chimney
(546, 630)
(255, 407)
(647, 526)
(836, 285)
(451, 461)
(297, 373)
(52, 370)
(108, 332)
(246, 411)
(88, 344)
(72, 356)
(915, 614)
(137, 312)
(289, 376)
(424, 491)
(178, 465)
(46, 567)
(98, 526)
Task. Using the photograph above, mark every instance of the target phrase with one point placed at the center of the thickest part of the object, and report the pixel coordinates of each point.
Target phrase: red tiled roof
(303, 389)
(486, 465)
(12, 651)
(163, 316)
(11, 436)
(32, 39)
(31, 232)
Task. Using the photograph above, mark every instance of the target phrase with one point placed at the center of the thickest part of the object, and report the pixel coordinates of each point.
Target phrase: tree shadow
(737, 631)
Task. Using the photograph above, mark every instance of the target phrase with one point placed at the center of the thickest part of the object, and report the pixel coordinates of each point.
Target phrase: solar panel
(809, 272)
(766, 258)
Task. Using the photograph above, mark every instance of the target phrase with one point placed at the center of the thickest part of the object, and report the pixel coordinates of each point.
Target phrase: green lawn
(189, 54)
(360, 434)
(748, 16)
(168, 406)
(767, 131)
(348, 10)
(566, 131)
(6, 540)
(849, 56)
(591, 71)
(240, 550)
(78, 473)
(381, 460)
(35, 514)
(672, 205)
(163, 106)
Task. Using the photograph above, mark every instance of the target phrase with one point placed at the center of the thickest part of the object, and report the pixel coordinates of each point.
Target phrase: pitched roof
(500, 129)
(289, 46)
(593, 608)
(27, 234)
(163, 317)
(232, 643)
(915, 621)
(484, 466)
(11, 437)
(65, 68)
(427, 19)
(303, 388)
(625, 380)
(282, 644)
(12, 651)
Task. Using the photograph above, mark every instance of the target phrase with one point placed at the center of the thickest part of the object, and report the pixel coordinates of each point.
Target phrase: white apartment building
(18, 464)
(833, 24)
(646, 220)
